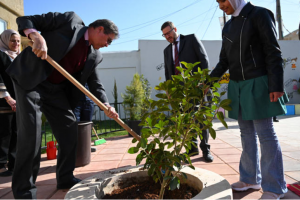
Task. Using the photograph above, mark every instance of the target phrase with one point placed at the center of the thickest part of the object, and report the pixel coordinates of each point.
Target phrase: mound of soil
(148, 189)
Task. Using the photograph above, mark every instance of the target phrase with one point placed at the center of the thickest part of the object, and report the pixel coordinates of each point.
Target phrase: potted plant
(134, 101)
(165, 136)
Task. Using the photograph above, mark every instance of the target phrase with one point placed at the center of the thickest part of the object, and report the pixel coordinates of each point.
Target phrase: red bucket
(51, 150)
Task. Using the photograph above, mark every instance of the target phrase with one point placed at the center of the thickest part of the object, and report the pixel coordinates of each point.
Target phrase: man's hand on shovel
(111, 112)
(39, 46)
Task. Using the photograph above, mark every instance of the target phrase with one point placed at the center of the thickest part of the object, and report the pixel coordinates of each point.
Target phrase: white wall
(120, 66)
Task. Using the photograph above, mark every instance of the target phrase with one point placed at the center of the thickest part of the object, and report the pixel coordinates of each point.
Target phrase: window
(2, 25)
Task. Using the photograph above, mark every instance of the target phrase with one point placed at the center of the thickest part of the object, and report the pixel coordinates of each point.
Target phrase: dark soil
(148, 189)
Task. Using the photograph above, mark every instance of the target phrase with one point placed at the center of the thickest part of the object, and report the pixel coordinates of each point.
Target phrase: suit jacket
(61, 32)
(191, 50)
(5, 79)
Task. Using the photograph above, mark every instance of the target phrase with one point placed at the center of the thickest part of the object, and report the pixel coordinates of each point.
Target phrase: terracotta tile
(104, 157)
(291, 165)
(287, 148)
(124, 163)
(291, 195)
(293, 154)
(95, 166)
(44, 168)
(227, 151)
(199, 160)
(215, 141)
(221, 169)
(116, 146)
(236, 144)
(220, 146)
(51, 169)
(85, 174)
(4, 191)
(249, 194)
(8, 196)
(46, 179)
(5, 182)
(59, 194)
(128, 156)
(294, 175)
(230, 158)
(45, 161)
(113, 151)
(45, 191)
(232, 178)
(290, 180)
(235, 166)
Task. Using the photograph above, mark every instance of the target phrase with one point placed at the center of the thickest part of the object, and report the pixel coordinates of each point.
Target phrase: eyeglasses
(109, 41)
(164, 35)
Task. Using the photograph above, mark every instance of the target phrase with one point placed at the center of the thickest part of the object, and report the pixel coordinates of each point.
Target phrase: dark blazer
(61, 31)
(191, 50)
(4, 78)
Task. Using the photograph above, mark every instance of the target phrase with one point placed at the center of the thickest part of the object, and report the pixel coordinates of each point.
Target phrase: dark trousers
(8, 139)
(52, 101)
(84, 111)
(204, 146)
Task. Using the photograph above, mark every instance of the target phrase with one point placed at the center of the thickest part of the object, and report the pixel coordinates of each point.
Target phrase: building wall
(292, 36)
(7, 15)
(9, 11)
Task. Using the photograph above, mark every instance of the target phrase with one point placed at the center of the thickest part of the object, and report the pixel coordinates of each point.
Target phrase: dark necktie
(176, 59)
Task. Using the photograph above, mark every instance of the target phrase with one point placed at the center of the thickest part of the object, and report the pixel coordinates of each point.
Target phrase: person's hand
(111, 112)
(12, 103)
(275, 95)
(39, 47)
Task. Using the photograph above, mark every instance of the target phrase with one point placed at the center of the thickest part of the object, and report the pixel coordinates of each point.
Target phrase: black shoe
(208, 157)
(69, 184)
(275, 120)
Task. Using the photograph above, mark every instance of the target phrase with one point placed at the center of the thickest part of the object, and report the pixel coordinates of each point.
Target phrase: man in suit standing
(190, 50)
(41, 88)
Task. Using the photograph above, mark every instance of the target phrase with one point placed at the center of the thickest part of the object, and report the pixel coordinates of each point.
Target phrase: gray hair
(108, 25)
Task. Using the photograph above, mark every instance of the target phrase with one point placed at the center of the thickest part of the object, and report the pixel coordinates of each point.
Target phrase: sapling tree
(171, 122)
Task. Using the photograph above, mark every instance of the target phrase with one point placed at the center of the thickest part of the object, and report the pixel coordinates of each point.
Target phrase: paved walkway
(226, 150)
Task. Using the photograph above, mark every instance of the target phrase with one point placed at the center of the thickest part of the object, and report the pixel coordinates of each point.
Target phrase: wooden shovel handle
(87, 93)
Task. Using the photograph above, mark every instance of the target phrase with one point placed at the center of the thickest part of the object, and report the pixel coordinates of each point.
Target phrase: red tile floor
(226, 149)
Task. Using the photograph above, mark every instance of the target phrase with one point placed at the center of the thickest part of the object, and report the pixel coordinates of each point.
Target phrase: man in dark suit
(190, 50)
(40, 88)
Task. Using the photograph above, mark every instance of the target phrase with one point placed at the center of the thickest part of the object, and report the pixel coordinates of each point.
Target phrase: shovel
(87, 93)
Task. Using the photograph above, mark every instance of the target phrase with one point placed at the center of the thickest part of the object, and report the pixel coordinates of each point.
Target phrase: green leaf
(184, 175)
(221, 118)
(149, 120)
(175, 183)
(134, 140)
(227, 108)
(133, 150)
(216, 94)
(143, 143)
(212, 133)
(170, 145)
(139, 159)
(217, 85)
(156, 140)
(225, 102)
(191, 166)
